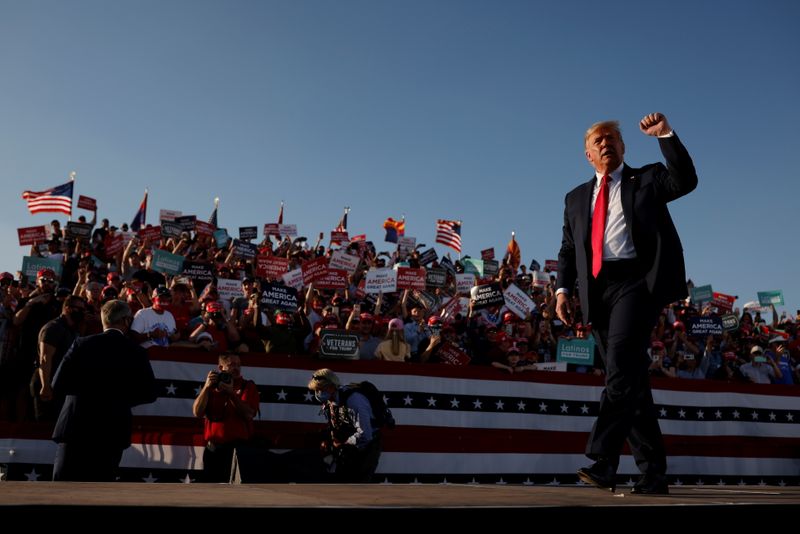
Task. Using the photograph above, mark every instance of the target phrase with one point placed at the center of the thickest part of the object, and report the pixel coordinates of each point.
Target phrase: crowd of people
(41, 317)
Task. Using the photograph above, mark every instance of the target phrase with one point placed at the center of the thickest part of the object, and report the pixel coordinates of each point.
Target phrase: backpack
(381, 414)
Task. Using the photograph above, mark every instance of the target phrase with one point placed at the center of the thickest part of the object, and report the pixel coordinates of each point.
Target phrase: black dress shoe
(651, 484)
(601, 475)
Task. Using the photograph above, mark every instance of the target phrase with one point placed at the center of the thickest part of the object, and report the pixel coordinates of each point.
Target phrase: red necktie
(599, 225)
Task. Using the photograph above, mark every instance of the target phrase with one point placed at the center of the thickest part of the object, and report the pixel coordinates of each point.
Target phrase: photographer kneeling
(229, 403)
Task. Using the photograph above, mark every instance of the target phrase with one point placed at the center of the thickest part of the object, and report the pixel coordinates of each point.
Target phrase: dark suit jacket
(102, 377)
(645, 194)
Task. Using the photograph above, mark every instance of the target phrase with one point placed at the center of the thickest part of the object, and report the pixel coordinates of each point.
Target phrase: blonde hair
(323, 378)
(603, 125)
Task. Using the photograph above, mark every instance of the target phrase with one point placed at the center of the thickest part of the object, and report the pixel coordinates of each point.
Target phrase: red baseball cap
(46, 273)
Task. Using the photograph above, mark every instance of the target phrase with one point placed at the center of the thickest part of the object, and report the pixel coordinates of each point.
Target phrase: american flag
(461, 424)
(56, 199)
(341, 227)
(448, 233)
(213, 218)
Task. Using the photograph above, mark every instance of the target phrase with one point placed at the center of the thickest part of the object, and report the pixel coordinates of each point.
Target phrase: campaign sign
(338, 344)
(279, 297)
(406, 245)
(204, 228)
(338, 236)
(452, 355)
(381, 281)
(79, 230)
(579, 351)
(288, 229)
(151, 233)
(473, 265)
(408, 278)
(198, 270)
(294, 278)
(551, 366)
(221, 237)
(229, 288)
(703, 326)
(551, 266)
(271, 266)
(87, 203)
(166, 262)
(186, 222)
(340, 259)
(428, 256)
(332, 279)
(435, 277)
(765, 298)
(248, 232)
(487, 295)
(113, 244)
(518, 301)
(32, 264)
(723, 302)
(535, 266)
(425, 299)
(314, 269)
(168, 215)
(464, 283)
(171, 229)
(540, 279)
(702, 293)
(243, 249)
(487, 254)
(271, 229)
(491, 267)
(31, 235)
(730, 322)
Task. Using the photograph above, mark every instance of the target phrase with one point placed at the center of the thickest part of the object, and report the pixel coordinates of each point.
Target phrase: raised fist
(655, 124)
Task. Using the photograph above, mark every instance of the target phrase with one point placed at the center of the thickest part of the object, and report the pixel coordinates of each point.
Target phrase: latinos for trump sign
(579, 351)
(765, 298)
(166, 262)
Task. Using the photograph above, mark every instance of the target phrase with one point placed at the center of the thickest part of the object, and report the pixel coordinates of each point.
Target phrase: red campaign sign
(487, 254)
(339, 237)
(551, 266)
(87, 203)
(314, 269)
(204, 228)
(332, 279)
(31, 235)
(271, 229)
(722, 301)
(452, 355)
(360, 293)
(113, 244)
(408, 278)
(151, 232)
(271, 266)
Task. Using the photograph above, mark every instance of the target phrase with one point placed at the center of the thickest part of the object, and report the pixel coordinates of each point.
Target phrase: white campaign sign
(294, 278)
(229, 289)
(518, 302)
(464, 282)
(340, 259)
(381, 281)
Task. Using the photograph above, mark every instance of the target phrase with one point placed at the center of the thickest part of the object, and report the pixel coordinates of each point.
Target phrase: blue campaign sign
(221, 237)
(579, 351)
(32, 264)
(765, 298)
(702, 294)
(166, 262)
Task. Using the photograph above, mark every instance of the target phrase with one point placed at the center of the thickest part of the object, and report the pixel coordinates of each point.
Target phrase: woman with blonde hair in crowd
(394, 348)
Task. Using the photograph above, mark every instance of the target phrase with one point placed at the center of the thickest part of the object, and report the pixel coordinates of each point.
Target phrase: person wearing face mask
(354, 442)
(156, 325)
(55, 339)
(228, 402)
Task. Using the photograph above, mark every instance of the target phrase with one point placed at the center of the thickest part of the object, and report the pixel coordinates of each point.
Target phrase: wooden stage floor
(401, 501)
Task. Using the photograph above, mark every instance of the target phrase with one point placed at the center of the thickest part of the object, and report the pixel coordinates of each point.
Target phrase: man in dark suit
(102, 377)
(621, 247)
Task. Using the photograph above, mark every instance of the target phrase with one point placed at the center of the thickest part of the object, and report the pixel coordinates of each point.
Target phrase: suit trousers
(623, 315)
(86, 462)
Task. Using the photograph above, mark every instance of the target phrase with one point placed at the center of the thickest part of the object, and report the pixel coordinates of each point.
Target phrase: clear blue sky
(434, 109)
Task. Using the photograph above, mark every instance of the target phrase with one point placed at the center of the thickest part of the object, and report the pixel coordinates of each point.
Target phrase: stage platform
(190, 504)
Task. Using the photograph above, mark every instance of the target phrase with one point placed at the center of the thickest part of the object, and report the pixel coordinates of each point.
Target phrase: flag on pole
(394, 229)
(213, 218)
(280, 214)
(56, 199)
(140, 219)
(448, 233)
(341, 227)
(513, 254)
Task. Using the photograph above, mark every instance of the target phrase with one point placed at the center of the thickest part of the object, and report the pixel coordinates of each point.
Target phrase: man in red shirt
(229, 403)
